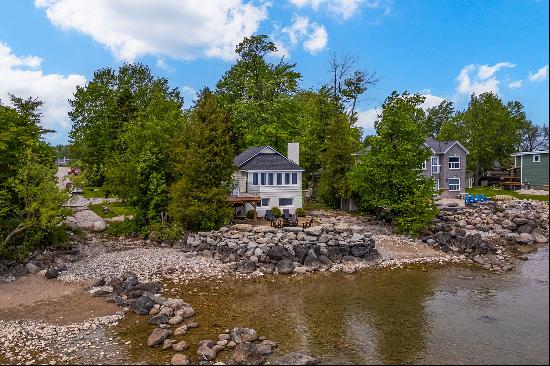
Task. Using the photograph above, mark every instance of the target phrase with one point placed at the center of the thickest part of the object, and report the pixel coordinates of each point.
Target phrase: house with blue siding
(532, 168)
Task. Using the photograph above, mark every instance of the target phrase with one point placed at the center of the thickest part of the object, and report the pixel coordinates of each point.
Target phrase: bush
(277, 212)
(250, 214)
(300, 212)
(121, 228)
(172, 231)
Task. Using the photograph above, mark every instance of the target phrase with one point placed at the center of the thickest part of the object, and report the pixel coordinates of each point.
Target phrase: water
(421, 314)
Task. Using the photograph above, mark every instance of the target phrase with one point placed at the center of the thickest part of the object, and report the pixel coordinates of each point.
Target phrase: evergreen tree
(203, 167)
(388, 175)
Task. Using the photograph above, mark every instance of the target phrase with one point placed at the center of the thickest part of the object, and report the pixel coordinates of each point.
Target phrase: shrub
(250, 214)
(300, 212)
(277, 212)
(126, 227)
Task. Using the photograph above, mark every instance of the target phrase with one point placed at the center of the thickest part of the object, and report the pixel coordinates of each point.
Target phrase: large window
(263, 178)
(454, 184)
(255, 179)
(294, 178)
(279, 179)
(435, 164)
(536, 158)
(454, 162)
(285, 201)
(264, 202)
(274, 178)
(269, 179)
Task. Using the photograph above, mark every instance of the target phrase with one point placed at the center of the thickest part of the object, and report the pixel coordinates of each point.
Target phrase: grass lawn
(115, 209)
(93, 192)
(491, 192)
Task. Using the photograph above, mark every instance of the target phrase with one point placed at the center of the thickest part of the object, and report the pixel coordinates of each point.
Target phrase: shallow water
(420, 314)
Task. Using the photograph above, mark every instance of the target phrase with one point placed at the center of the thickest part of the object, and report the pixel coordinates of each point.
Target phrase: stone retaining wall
(284, 249)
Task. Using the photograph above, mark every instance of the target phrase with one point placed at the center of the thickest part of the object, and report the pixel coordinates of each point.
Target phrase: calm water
(418, 315)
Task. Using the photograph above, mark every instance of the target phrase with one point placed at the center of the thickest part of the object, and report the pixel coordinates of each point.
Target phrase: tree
(488, 129)
(436, 116)
(533, 137)
(258, 96)
(388, 175)
(341, 141)
(30, 202)
(104, 109)
(203, 167)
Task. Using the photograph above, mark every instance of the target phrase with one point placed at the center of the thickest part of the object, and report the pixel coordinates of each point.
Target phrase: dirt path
(53, 301)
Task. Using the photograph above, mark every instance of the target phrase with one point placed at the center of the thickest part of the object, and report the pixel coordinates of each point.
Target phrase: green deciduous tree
(436, 116)
(533, 137)
(489, 129)
(258, 96)
(388, 175)
(203, 167)
(30, 202)
(106, 107)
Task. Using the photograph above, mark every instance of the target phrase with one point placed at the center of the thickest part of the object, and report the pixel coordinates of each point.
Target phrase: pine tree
(204, 167)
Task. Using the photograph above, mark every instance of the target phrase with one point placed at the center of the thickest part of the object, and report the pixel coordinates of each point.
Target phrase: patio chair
(307, 223)
(269, 216)
(294, 220)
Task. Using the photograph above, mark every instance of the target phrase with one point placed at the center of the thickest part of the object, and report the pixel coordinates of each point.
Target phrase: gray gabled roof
(441, 147)
(255, 159)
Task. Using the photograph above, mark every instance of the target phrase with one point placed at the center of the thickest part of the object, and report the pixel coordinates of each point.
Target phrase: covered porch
(240, 200)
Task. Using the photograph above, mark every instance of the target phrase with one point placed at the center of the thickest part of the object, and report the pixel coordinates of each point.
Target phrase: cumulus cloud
(314, 37)
(366, 119)
(22, 76)
(431, 101)
(516, 84)
(345, 9)
(189, 95)
(173, 28)
(163, 65)
(540, 75)
(482, 81)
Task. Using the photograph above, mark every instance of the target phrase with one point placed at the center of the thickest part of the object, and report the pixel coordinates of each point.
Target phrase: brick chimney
(293, 152)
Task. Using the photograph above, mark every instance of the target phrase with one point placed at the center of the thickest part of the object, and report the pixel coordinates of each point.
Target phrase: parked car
(77, 190)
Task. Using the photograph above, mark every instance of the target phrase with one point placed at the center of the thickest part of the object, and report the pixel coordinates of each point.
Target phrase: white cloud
(366, 119)
(486, 71)
(516, 84)
(23, 77)
(189, 95)
(345, 9)
(540, 75)
(313, 36)
(173, 28)
(431, 101)
(163, 65)
(481, 82)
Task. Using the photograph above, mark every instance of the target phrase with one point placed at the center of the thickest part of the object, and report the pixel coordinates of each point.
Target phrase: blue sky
(443, 49)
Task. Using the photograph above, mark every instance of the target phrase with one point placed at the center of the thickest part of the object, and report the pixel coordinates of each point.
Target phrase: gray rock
(314, 230)
(539, 238)
(180, 330)
(157, 337)
(175, 320)
(247, 266)
(207, 350)
(293, 229)
(278, 253)
(247, 354)
(167, 344)
(185, 311)
(334, 254)
(525, 238)
(324, 260)
(359, 250)
(51, 273)
(142, 305)
(240, 335)
(296, 358)
(526, 228)
(285, 266)
(32, 268)
(507, 224)
(312, 262)
(98, 226)
(180, 346)
(179, 359)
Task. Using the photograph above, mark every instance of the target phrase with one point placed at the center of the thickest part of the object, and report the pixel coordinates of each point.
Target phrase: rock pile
(287, 250)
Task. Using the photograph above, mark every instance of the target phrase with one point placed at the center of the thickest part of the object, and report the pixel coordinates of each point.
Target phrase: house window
(454, 162)
(536, 158)
(264, 202)
(285, 201)
(279, 179)
(262, 179)
(454, 184)
(294, 178)
(269, 179)
(436, 184)
(435, 164)
(255, 179)
(287, 178)
(424, 165)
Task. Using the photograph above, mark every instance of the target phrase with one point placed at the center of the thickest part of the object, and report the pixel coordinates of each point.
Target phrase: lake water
(420, 314)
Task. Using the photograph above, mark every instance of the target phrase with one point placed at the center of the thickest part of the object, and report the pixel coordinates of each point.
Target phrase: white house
(263, 171)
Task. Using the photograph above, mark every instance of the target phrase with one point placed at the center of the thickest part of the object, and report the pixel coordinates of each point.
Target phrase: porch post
(254, 207)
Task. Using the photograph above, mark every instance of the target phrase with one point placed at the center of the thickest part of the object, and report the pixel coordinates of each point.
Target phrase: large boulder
(247, 354)
(98, 226)
(32, 268)
(240, 335)
(278, 253)
(179, 359)
(526, 228)
(142, 305)
(296, 358)
(507, 224)
(159, 319)
(247, 266)
(359, 250)
(312, 262)
(52, 273)
(151, 287)
(525, 238)
(285, 266)
(334, 254)
(185, 311)
(207, 350)
(243, 227)
(314, 230)
(157, 337)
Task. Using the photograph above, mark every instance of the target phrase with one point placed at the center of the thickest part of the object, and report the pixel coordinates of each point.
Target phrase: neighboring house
(447, 165)
(275, 178)
(533, 168)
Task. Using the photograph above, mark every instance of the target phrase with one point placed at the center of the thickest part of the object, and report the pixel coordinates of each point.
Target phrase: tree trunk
(16, 231)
